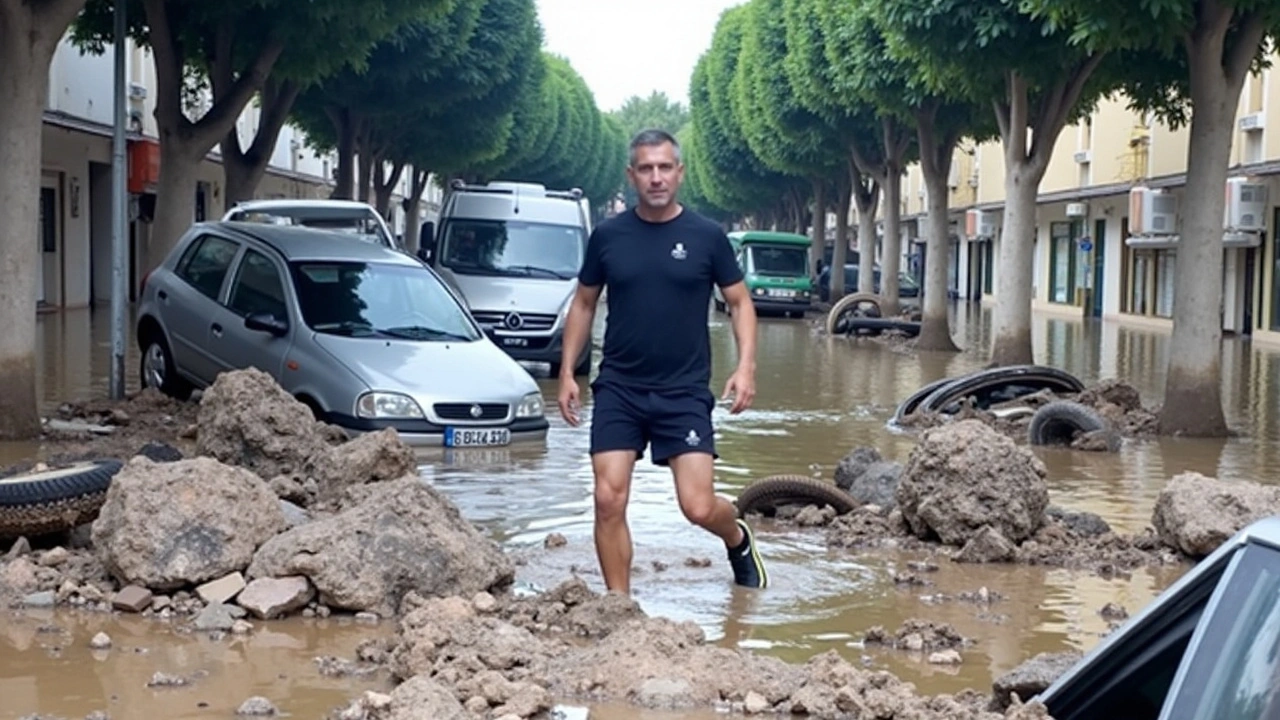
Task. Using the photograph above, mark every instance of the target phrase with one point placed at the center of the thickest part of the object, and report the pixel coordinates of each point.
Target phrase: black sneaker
(748, 567)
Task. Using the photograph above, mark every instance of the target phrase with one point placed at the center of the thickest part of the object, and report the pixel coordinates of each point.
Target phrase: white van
(513, 251)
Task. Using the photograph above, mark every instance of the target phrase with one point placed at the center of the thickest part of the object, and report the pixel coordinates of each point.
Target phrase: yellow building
(1088, 261)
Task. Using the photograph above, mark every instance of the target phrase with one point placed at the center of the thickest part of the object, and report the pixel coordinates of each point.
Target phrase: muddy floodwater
(817, 398)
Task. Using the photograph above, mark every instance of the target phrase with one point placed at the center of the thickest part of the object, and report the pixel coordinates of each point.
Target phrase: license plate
(476, 437)
(777, 292)
(515, 342)
(477, 456)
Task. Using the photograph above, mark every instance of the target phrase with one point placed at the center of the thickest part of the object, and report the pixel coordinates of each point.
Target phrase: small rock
(241, 627)
(257, 706)
(555, 540)
(377, 700)
(945, 657)
(1113, 611)
(133, 598)
(166, 680)
(44, 599)
(101, 641)
(20, 547)
(222, 589)
(214, 617)
(365, 616)
(54, 557)
(484, 602)
(755, 703)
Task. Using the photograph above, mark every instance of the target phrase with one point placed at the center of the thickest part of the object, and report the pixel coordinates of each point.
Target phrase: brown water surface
(817, 398)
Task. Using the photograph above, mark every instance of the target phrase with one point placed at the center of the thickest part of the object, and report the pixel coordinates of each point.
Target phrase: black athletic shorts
(669, 422)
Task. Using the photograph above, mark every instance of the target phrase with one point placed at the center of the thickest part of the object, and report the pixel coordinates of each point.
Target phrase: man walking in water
(659, 262)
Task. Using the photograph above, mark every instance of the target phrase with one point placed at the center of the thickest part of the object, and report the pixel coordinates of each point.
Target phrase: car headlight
(530, 406)
(387, 405)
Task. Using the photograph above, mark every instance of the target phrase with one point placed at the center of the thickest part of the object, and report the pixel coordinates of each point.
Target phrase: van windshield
(778, 260)
(512, 248)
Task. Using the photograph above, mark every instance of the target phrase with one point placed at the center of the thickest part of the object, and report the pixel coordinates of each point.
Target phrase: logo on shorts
(692, 439)
(678, 252)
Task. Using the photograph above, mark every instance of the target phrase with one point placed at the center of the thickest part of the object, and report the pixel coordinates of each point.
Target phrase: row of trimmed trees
(436, 88)
(818, 104)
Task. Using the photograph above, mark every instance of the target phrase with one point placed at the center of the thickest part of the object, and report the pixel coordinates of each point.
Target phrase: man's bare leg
(695, 488)
(613, 538)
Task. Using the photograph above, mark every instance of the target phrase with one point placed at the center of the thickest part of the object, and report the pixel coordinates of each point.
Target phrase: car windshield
(361, 223)
(777, 260)
(512, 248)
(379, 300)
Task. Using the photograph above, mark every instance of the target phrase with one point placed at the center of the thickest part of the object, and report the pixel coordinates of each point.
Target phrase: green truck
(777, 266)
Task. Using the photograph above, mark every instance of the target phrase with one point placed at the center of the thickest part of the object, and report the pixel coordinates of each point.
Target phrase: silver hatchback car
(366, 336)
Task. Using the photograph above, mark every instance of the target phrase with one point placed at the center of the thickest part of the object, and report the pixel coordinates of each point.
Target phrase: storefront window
(1062, 262)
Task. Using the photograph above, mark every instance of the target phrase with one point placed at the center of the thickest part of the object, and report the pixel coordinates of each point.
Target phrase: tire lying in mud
(766, 495)
(908, 407)
(996, 385)
(54, 500)
(1062, 421)
(857, 305)
(875, 326)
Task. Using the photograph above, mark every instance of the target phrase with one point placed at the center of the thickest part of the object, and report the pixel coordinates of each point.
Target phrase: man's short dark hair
(650, 138)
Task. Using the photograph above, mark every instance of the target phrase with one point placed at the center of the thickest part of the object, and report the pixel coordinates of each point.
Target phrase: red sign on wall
(144, 164)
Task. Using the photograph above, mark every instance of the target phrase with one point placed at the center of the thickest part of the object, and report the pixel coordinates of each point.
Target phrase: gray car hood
(433, 371)
(530, 295)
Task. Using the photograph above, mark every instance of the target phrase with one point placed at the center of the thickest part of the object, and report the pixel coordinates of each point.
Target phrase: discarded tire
(38, 503)
(876, 326)
(857, 305)
(1002, 384)
(766, 495)
(1061, 422)
(912, 403)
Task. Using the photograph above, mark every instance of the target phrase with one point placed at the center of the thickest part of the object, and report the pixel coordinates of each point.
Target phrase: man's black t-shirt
(658, 279)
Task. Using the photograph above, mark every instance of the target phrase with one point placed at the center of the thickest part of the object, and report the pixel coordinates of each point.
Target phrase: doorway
(50, 230)
(100, 233)
(1099, 266)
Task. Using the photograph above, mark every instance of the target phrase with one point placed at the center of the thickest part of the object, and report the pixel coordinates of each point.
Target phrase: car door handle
(162, 294)
(217, 329)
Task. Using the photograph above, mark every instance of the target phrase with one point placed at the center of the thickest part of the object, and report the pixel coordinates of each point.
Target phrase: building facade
(1092, 259)
(75, 185)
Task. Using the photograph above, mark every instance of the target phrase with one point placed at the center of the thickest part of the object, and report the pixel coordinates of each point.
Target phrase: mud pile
(970, 493)
(505, 657)
(106, 428)
(276, 514)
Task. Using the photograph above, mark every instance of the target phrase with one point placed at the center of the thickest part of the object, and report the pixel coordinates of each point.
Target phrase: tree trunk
(345, 126)
(384, 186)
(891, 251)
(840, 252)
(1011, 336)
(185, 144)
(27, 41)
(818, 243)
(243, 169)
(935, 165)
(413, 204)
(1193, 385)
(866, 195)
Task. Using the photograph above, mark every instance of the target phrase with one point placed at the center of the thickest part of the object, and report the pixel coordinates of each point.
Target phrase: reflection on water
(817, 398)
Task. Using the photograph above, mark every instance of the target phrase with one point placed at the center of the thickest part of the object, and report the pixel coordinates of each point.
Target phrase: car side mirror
(268, 323)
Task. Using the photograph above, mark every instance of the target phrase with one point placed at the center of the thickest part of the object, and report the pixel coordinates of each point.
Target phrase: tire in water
(766, 495)
(1061, 422)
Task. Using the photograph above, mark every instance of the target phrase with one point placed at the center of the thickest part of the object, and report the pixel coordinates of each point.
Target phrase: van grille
(462, 411)
(515, 321)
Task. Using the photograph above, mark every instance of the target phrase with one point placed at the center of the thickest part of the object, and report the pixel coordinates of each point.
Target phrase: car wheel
(157, 370)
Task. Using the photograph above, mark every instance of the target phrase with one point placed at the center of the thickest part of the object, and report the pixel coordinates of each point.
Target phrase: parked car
(1208, 647)
(775, 266)
(366, 336)
(347, 216)
(908, 288)
(513, 251)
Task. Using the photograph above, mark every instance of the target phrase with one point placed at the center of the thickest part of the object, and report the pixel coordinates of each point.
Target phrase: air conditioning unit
(979, 224)
(1152, 212)
(1083, 156)
(1077, 210)
(1252, 121)
(1246, 209)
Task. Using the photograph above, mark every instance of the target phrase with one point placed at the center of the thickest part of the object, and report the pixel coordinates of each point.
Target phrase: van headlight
(530, 406)
(387, 405)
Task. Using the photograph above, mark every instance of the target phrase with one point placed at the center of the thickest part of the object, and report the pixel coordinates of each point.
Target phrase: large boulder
(1194, 514)
(965, 476)
(247, 419)
(403, 536)
(168, 525)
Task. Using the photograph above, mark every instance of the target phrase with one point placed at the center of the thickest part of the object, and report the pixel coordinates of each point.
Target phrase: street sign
(1086, 244)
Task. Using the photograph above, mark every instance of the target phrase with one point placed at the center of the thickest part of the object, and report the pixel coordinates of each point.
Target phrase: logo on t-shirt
(678, 252)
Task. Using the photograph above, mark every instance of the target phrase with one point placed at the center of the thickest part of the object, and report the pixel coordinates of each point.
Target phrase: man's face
(656, 174)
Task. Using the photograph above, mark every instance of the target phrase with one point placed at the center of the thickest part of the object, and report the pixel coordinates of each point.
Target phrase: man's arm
(742, 312)
(577, 327)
